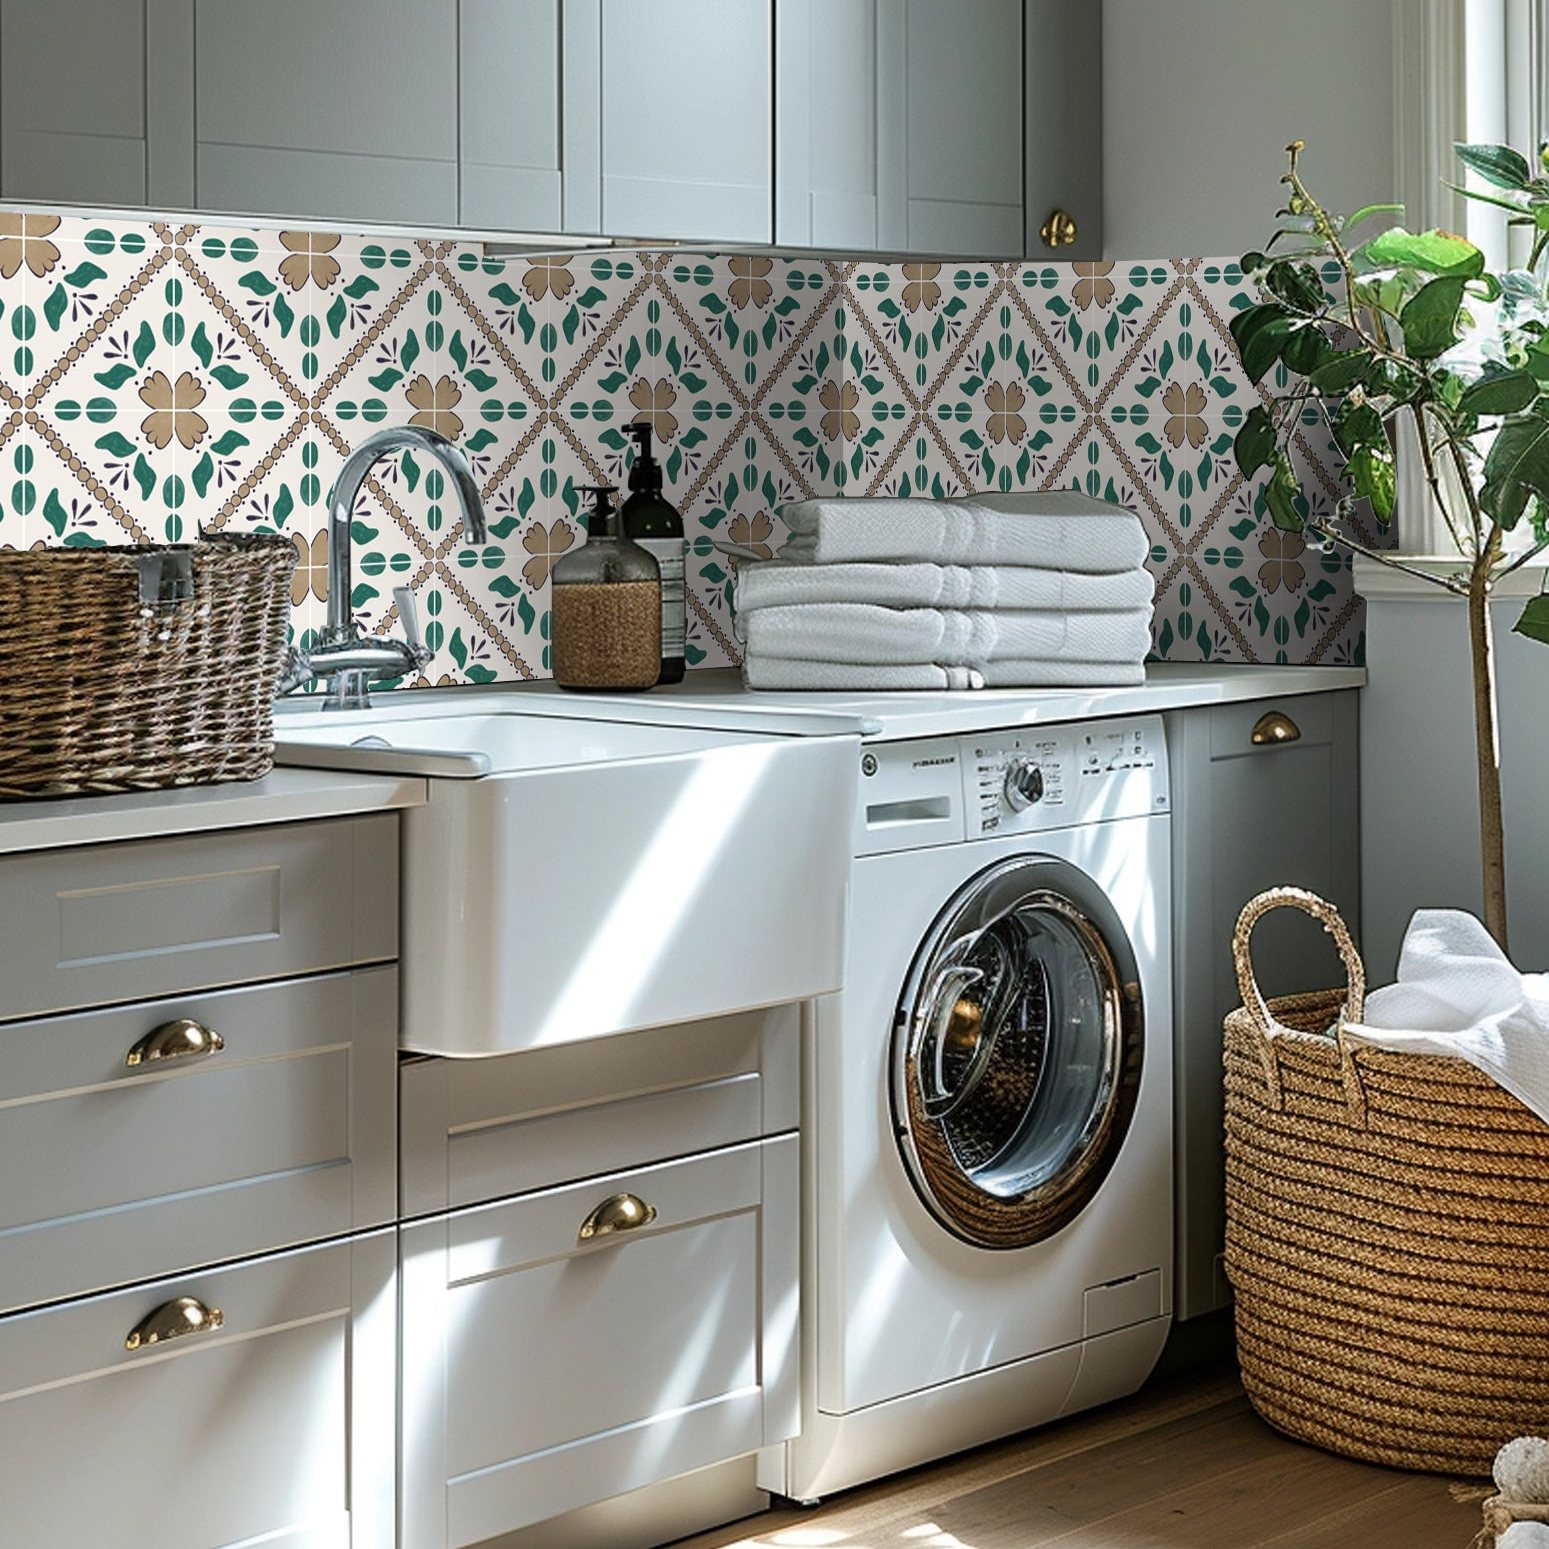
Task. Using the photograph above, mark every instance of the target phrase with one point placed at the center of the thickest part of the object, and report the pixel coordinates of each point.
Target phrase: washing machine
(988, 1147)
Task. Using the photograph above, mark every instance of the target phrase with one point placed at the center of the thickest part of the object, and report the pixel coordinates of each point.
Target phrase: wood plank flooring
(1184, 1465)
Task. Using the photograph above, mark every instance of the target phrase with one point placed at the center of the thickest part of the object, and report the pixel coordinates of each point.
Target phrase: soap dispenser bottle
(653, 522)
(607, 606)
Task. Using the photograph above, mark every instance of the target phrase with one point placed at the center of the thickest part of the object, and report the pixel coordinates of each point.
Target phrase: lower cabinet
(261, 1410)
(1264, 792)
(612, 1331)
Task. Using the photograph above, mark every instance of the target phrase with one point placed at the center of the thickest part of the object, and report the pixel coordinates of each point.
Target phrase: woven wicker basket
(128, 669)
(1387, 1232)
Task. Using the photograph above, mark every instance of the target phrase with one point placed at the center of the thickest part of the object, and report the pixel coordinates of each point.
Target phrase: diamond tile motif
(155, 378)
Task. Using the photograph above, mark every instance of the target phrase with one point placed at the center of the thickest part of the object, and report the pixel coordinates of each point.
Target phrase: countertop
(716, 698)
(286, 795)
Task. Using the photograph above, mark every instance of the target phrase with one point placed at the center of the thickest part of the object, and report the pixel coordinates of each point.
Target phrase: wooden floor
(1185, 1465)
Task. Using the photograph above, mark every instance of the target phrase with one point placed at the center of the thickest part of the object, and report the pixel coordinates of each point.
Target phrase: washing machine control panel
(1055, 776)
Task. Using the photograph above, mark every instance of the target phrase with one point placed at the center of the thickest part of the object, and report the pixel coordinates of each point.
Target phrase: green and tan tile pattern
(158, 378)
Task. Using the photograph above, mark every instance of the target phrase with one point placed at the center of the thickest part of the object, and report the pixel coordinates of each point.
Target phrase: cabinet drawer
(221, 1437)
(111, 923)
(480, 1129)
(543, 1373)
(111, 1173)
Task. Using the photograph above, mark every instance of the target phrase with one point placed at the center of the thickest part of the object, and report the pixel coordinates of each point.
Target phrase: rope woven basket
(1387, 1233)
(126, 669)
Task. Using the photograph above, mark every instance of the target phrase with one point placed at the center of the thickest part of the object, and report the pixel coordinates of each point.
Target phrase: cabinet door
(345, 111)
(899, 125)
(1247, 816)
(543, 1372)
(275, 1425)
(680, 92)
(72, 101)
(509, 114)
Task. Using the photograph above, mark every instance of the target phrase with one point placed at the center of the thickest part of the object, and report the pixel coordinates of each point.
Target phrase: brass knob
(617, 1213)
(1274, 727)
(179, 1040)
(174, 1320)
(1059, 230)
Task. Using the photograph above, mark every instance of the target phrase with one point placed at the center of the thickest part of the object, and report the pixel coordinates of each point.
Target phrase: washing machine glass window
(1017, 1048)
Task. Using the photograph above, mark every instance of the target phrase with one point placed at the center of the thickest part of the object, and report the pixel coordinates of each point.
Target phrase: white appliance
(988, 1142)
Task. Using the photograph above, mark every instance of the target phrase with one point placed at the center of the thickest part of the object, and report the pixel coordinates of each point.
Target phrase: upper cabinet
(632, 118)
(899, 125)
(888, 126)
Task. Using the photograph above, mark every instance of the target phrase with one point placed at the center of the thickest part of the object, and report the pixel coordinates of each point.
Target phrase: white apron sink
(572, 878)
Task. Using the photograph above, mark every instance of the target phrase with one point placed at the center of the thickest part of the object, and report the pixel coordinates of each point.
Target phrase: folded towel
(1054, 529)
(773, 583)
(784, 672)
(1458, 993)
(863, 632)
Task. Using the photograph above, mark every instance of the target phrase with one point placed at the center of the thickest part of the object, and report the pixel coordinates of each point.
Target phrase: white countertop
(286, 795)
(716, 697)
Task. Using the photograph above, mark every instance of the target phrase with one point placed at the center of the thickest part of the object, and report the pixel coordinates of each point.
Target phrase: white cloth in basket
(1458, 994)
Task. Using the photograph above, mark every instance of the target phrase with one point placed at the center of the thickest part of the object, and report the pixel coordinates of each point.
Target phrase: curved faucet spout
(341, 505)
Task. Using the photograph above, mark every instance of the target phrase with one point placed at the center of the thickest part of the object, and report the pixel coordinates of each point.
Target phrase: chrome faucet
(350, 660)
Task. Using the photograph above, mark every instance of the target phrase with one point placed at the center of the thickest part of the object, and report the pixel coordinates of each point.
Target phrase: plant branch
(1428, 459)
(1525, 558)
(1447, 582)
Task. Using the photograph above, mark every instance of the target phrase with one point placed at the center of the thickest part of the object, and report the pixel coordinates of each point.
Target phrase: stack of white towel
(1028, 590)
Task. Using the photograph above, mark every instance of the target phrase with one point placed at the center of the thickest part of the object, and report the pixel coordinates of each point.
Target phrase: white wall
(1419, 810)
(1201, 97)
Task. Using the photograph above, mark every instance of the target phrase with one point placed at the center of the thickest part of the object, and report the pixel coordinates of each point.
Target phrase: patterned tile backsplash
(156, 378)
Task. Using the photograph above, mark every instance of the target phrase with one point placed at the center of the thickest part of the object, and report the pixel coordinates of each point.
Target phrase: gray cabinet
(198, 1264)
(899, 125)
(626, 1314)
(639, 118)
(345, 111)
(1250, 811)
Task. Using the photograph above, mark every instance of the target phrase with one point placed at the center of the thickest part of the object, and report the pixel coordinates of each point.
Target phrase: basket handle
(1253, 998)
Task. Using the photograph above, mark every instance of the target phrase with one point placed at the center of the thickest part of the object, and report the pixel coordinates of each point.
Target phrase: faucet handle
(408, 611)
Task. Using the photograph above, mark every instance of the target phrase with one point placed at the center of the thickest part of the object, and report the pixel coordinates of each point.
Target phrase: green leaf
(411, 350)
(228, 443)
(1280, 495)
(144, 344)
(115, 376)
(1296, 284)
(458, 647)
(229, 376)
(631, 355)
(336, 315)
(1357, 424)
(482, 381)
(361, 533)
(1340, 373)
(459, 352)
(201, 346)
(204, 471)
(116, 443)
(1498, 164)
(362, 285)
(526, 613)
(283, 316)
(1255, 444)
(1306, 349)
(674, 355)
(84, 274)
(55, 514)
(1517, 467)
(1434, 252)
(284, 504)
(257, 283)
(144, 476)
(1261, 333)
(1430, 318)
(1503, 394)
(1534, 622)
(1370, 470)
(54, 307)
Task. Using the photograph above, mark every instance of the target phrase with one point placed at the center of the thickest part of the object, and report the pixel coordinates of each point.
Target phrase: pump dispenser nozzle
(650, 519)
(645, 473)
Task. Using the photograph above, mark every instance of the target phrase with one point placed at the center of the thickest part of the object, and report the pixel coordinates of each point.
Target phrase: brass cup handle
(1274, 727)
(174, 1320)
(617, 1213)
(178, 1040)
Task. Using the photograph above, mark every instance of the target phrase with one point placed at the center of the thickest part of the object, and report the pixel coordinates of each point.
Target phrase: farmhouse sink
(568, 879)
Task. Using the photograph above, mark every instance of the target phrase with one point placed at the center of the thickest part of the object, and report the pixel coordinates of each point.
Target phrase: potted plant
(1413, 326)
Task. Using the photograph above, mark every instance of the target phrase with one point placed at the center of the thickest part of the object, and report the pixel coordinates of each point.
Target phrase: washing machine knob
(1024, 783)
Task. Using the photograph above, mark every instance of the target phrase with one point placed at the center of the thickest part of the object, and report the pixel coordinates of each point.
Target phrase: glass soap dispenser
(607, 606)
(653, 522)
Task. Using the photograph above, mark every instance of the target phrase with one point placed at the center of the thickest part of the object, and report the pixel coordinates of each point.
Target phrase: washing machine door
(1017, 1049)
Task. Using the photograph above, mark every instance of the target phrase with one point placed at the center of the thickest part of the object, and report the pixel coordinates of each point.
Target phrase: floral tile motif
(586, 297)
